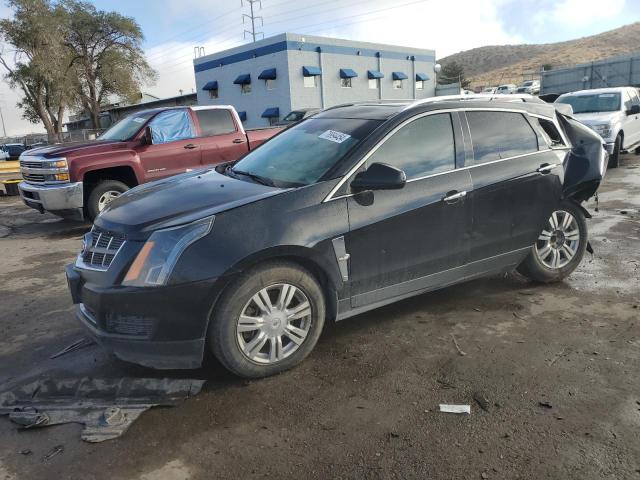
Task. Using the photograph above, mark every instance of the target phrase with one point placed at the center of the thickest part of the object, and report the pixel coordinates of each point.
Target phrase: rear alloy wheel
(559, 248)
(268, 320)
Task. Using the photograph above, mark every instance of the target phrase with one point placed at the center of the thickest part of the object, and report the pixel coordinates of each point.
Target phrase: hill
(492, 65)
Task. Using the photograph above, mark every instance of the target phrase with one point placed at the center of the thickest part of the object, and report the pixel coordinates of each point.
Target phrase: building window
(270, 83)
(273, 121)
(345, 82)
(374, 83)
(419, 85)
(245, 88)
(213, 93)
(310, 82)
(397, 84)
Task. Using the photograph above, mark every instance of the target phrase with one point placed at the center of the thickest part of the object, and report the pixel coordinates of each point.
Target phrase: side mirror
(634, 110)
(379, 176)
(148, 135)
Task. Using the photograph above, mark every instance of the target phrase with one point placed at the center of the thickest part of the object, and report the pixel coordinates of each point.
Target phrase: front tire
(268, 320)
(614, 159)
(559, 248)
(102, 194)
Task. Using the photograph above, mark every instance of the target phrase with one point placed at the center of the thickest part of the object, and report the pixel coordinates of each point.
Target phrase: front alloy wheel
(274, 323)
(106, 198)
(558, 243)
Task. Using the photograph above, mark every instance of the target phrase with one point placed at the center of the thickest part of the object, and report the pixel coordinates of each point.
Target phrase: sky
(172, 29)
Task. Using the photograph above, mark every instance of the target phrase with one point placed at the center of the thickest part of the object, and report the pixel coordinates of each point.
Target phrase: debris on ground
(545, 405)
(481, 400)
(55, 451)
(77, 345)
(455, 342)
(446, 408)
(106, 407)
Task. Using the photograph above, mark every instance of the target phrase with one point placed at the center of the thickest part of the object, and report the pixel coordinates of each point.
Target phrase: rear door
(175, 148)
(401, 241)
(221, 139)
(517, 183)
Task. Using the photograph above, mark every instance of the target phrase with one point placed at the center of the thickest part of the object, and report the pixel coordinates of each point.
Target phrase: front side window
(499, 135)
(245, 88)
(397, 84)
(374, 83)
(216, 121)
(345, 82)
(172, 125)
(310, 82)
(423, 147)
(593, 103)
(127, 127)
(304, 153)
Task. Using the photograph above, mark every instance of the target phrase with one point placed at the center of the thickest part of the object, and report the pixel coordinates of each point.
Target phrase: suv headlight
(161, 251)
(603, 129)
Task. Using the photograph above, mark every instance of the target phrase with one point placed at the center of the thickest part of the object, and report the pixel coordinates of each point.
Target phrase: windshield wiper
(257, 178)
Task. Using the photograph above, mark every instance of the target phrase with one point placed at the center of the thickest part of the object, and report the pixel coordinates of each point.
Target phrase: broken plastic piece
(455, 408)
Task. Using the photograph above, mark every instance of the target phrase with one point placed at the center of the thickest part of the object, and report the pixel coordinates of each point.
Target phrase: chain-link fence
(36, 139)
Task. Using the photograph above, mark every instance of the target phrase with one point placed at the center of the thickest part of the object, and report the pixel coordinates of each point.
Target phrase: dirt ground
(365, 403)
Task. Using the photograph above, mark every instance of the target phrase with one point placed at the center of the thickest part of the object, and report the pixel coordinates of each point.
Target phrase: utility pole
(4, 130)
(252, 18)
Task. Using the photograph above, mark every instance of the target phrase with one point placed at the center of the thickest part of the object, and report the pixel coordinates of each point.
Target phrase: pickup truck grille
(30, 164)
(100, 248)
(33, 177)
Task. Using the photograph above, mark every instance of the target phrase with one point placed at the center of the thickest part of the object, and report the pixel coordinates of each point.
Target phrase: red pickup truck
(78, 180)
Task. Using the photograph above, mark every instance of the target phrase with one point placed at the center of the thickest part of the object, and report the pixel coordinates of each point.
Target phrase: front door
(631, 124)
(412, 239)
(175, 148)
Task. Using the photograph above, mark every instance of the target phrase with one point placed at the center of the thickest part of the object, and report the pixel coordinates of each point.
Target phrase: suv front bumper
(66, 199)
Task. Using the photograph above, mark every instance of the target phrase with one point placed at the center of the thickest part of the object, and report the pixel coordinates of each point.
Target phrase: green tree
(107, 55)
(453, 72)
(36, 62)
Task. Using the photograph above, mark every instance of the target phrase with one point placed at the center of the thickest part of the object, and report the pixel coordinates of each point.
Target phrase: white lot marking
(174, 470)
(4, 473)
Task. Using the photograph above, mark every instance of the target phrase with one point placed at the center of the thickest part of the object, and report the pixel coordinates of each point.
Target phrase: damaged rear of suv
(357, 207)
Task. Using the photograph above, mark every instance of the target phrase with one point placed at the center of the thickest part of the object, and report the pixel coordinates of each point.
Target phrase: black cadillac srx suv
(357, 207)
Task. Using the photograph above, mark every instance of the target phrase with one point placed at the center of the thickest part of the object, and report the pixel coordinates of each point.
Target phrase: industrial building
(267, 79)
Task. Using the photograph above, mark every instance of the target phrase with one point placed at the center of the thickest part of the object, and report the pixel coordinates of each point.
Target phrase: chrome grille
(33, 177)
(100, 248)
(30, 164)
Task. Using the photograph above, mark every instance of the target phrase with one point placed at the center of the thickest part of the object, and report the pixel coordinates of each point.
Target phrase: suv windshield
(302, 154)
(602, 102)
(127, 127)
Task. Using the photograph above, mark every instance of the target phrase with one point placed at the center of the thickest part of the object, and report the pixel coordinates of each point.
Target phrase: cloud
(579, 13)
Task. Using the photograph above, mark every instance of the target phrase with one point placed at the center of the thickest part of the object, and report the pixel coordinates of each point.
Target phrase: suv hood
(178, 200)
(74, 148)
(597, 118)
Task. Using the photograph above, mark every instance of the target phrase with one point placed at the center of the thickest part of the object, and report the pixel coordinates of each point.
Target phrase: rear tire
(260, 326)
(614, 159)
(101, 196)
(560, 246)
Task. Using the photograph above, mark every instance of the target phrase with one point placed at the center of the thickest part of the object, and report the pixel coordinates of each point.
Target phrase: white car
(614, 113)
(3, 155)
(506, 89)
(530, 86)
(489, 90)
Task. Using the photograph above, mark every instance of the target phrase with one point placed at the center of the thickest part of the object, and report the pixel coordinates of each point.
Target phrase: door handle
(190, 146)
(238, 140)
(546, 168)
(454, 196)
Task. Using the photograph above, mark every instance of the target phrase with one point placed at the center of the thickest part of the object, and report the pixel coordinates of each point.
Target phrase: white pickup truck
(614, 113)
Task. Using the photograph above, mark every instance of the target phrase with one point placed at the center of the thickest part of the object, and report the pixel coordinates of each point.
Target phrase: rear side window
(215, 122)
(499, 135)
(549, 132)
(423, 147)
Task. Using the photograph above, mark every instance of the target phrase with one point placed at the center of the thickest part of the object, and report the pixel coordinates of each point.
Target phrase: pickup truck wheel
(103, 194)
(614, 159)
(560, 246)
(268, 320)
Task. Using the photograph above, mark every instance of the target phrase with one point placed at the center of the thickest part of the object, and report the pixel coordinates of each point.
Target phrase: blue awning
(243, 79)
(212, 85)
(311, 71)
(273, 112)
(347, 73)
(243, 116)
(268, 74)
(399, 76)
(422, 77)
(374, 74)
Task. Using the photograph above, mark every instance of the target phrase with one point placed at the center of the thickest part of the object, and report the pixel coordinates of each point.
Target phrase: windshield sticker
(333, 136)
(138, 120)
